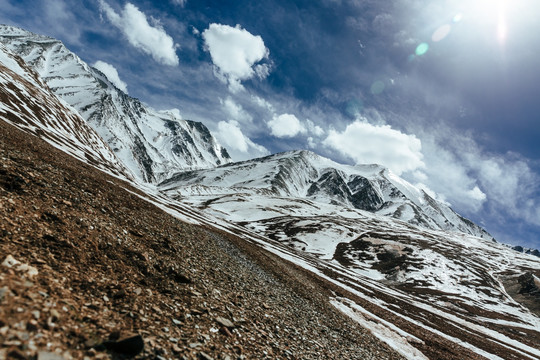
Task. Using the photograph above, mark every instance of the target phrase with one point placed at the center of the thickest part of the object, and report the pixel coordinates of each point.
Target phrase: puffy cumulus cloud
(112, 74)
(380, 144)
(285, 126)
(152, 40)
(239, 146)
(477, 194)
(236, 111)
(235, 53)
(232, 137)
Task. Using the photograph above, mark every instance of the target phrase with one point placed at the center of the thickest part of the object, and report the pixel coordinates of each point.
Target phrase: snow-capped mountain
(401, 264)
(306, 175)
(152, 144)
(415, 285)
(27, 103)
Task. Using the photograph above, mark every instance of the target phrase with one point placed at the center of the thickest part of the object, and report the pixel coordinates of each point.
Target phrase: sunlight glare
(502, 27)
(441, 33)
(487, 14)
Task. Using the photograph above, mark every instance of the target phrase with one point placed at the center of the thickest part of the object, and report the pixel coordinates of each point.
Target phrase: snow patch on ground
(383, 330)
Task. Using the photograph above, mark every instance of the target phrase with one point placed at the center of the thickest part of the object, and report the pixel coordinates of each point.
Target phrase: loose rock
(130, 345)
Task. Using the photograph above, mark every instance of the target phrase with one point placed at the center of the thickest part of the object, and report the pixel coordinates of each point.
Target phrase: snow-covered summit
(304, 174)
(27, 103)
(152, 144)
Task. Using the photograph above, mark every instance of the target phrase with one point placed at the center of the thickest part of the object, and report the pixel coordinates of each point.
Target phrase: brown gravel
(92, 271)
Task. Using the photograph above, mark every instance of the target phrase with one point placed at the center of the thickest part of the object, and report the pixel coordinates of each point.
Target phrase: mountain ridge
(304, 174)
(28, 103)
(152, 144)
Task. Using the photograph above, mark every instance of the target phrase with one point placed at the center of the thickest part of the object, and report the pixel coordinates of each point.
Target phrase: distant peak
(8, 30)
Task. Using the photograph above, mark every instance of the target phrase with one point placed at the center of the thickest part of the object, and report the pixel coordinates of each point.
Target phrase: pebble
(55, 314)
(225, 322)
(205, 356)
(10, 262)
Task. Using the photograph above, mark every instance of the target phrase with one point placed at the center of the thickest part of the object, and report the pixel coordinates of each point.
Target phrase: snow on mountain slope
(305, 175)
(417, 289)
(153, 144)
(27, 103)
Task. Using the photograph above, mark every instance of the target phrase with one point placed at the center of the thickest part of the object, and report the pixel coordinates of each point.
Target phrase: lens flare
(457, 18)
(377, 87)
(441, 33)
(354, 108)
(422, 49)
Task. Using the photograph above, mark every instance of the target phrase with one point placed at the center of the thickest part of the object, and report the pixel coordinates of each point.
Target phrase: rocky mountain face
(520, 249)
(152, 144)
(28, 103)
(306, 175)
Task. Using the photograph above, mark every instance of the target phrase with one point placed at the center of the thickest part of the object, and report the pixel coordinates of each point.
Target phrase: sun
(489, 15)
(502, 27)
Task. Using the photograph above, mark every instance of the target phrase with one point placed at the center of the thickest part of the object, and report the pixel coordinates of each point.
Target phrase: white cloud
(112, 74)
(314, 129)
(262, 103)
(449, 177)
(232, 137)
(153, 40)
(477, 194)
(286, 125)
(472, 179)
(367, 143)
(239, 146)
(234, 52)
(235, 111)
(509, 182)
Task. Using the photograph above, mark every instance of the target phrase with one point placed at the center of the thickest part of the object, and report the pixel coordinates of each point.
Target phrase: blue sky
(444, 93)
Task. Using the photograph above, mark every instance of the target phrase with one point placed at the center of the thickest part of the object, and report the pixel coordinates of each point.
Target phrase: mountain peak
(153, 144)
(14, 31)
(303, 174)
